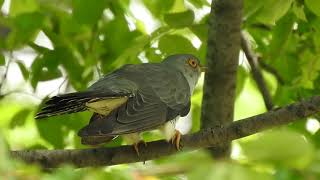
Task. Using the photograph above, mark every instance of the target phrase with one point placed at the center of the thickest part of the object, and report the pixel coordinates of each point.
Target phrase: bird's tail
(68, 103)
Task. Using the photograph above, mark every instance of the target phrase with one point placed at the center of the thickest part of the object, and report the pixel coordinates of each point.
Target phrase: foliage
(89, 38)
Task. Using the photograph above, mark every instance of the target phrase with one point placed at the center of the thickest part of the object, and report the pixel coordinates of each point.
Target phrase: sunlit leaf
(179, 19)
(314, 6)
(23, 6)
(174, 44)
(291, 148)
(266, 12)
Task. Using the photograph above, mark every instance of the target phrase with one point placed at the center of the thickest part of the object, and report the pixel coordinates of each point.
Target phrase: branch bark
(222, 61)
(256, 71)
(205, 138)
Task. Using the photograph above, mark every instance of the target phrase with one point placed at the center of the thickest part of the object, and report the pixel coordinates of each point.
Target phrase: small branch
(256, 72)
(271, 70)
(205, 138)
(4, 77)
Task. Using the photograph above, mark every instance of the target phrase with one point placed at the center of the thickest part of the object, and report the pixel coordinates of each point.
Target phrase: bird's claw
(136, 146)
(176, 139)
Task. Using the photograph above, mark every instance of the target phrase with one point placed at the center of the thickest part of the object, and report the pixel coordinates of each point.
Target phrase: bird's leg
(176, 139)
(134, 139)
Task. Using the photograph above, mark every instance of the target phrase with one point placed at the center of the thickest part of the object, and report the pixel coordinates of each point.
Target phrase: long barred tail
(69, 103)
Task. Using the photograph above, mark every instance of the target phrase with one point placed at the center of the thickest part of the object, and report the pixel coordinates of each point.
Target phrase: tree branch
(205, 138)
(256, 72)
(222, 61)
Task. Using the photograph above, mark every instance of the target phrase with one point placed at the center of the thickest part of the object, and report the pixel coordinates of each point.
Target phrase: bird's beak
(203, 68)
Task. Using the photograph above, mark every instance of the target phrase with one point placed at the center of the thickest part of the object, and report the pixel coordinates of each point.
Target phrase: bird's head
(188, 65)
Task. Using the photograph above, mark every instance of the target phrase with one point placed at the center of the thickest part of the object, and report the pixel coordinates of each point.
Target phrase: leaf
(23, 6)
(24, 70)
(199, 3)
(280, 37)
(2, 60)
(314, 6)
(174, 44)
(25, 28)
(19, 118)
(1, 3)
(159, 7)
(266, 12)
(180, 19)
(88, 12)
(242, 76)
(51, 130)
(285, 147)
(299, 12)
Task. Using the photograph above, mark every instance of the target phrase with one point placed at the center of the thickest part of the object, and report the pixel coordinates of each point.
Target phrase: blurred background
(57, 46)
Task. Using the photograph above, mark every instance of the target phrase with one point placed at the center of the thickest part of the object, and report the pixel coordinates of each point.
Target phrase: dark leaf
(25, 28)
(88, 12)
(2, 59)
(24, 70)
(19, 118)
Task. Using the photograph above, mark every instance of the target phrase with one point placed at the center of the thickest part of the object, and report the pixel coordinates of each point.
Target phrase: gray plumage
(132, 99)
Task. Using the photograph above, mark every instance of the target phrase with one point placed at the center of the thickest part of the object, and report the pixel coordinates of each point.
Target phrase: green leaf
(88, 12)
(159, 7)
(314, 6)
(1, 3)
(2, 60)
(25, 28)
(19, 118)
(52, 131)
(280, 37)
(24, 70)
(285, 147)
(299, 11)
(180, 19)
(242, 76)
(199, 3)
(174, 44)
(23, 6)
(266, 12)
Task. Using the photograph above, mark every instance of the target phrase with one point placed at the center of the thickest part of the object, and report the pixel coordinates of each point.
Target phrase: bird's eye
(193, 63)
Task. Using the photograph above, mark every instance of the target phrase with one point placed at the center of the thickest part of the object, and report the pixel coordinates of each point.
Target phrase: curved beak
(203, 68)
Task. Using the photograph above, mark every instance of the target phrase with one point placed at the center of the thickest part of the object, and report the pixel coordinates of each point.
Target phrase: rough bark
(205, 138)
(222, 61)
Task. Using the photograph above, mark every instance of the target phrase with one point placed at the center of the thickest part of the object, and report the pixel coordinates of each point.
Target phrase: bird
(133, 99)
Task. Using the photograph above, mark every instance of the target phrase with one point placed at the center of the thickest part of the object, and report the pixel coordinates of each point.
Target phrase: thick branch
(222, 61)
(205, 138)
(256, 72)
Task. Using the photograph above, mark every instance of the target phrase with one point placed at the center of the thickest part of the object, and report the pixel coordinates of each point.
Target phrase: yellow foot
(176, 139)
(136, 146)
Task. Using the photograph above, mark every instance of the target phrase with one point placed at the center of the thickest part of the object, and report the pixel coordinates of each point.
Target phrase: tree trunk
(222, 61)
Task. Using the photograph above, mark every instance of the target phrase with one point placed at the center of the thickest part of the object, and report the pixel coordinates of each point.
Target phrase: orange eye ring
(193, 63)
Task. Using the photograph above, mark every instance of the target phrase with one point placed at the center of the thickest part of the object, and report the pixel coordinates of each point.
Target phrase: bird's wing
(144, 111)
(173, 89)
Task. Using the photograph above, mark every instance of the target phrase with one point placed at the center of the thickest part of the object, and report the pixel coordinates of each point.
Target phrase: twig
(205, 138)
(4, 77)
(271, 70)
(256, 72)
